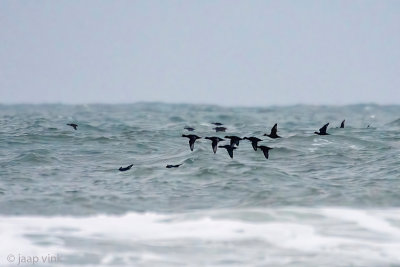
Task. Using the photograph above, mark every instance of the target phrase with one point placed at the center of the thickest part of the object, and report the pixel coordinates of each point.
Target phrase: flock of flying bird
(234, 140)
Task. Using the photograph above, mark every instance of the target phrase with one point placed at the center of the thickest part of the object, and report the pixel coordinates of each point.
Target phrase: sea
(331, 200)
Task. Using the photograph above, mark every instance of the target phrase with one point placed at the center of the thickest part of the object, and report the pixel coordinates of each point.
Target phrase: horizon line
(195, 104)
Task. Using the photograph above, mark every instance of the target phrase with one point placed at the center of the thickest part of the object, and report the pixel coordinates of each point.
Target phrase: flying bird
(265, 150)
(234, 139)
(214, 142)
(73, 125)
(121, 169)
(173, 166)
(322, 131)
(229, 149)
(192, 139)
(273, 134)
(219, 129)
(254, 141)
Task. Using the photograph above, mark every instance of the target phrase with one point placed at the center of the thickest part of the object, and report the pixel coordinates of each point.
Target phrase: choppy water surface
(317, 198)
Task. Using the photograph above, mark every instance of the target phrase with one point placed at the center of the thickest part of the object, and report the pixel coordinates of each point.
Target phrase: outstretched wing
(230, 151)
(73, 125)
(274, 130)
(266, 154)
(214, 145)
(342, 124)
(191, 143)
(324, 128)
(254, 144)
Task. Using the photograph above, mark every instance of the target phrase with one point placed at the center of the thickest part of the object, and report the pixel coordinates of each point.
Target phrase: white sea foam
(297, 236)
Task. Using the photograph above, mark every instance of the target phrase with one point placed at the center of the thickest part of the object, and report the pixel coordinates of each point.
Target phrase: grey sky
(217, 52)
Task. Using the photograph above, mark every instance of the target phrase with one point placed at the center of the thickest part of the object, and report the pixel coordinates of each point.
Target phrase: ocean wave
(279, 237)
